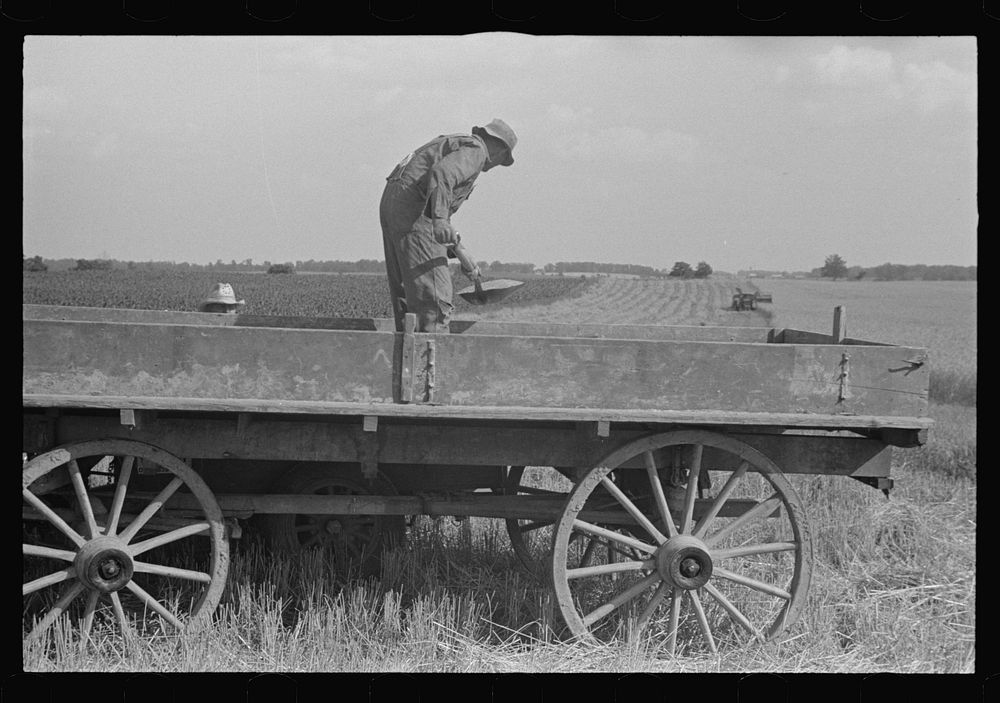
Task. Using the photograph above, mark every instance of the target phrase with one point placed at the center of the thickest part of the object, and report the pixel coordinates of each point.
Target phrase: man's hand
(444, 233)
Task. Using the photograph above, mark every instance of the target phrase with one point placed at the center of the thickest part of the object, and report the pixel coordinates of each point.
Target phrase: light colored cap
(222, 293)
(502, 131)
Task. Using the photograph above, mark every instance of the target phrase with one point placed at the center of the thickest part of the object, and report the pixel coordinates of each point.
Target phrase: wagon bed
(335, 419)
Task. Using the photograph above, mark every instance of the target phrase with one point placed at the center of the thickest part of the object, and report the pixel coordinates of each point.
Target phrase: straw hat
(222, 293)
(502, 131)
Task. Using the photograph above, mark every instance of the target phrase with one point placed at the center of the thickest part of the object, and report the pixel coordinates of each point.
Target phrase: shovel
(482, 292)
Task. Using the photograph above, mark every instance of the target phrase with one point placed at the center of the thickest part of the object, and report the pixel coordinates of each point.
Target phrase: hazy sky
(739, 151)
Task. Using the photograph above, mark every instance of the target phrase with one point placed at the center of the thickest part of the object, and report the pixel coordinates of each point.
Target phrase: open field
(318, 294)
(639, 301)
(894, 582)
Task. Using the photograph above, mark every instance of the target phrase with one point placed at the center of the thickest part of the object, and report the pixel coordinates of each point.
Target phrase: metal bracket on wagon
(882, 483)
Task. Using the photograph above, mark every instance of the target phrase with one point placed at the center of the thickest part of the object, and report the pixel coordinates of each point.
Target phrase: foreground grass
(893, 590)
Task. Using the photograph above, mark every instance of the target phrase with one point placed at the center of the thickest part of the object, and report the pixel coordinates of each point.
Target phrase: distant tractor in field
(744, 301)
(748, 301)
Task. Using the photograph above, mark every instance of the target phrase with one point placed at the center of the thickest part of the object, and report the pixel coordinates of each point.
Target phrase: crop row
(320, 295)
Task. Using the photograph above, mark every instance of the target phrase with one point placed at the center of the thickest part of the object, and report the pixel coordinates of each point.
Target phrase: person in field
(421, 194)
(221, 298)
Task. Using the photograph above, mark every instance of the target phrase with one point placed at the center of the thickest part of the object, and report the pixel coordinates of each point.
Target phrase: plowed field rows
(639, 301)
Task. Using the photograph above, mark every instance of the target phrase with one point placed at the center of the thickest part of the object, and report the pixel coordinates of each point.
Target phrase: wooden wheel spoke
(37, 550)
(758, 511)
(49, 580)
(171, 572)
(57, 609)
(613, 536)
(603, 569)
(621, 599)
(123, 623)
(168, 537)
(675, 618)
(153, 604)
(88, 617)
(86, 509)
(692, 487)
(658, 496)
(532, 490)
(753, 549)
(588, 552)
(699, 612)
(151, 509)
(651, 606)
(121, 488)
(752, 583)
(531, 526)
(632, 509)
(50, 515)
(734, 613)
(720, 499)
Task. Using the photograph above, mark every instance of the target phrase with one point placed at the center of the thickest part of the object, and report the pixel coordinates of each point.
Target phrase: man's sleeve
(457, 167)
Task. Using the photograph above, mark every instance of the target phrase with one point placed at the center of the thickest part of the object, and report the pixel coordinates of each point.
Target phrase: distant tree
(35, 263)
(681, 269)
(93, 265)
(702, 270)
(834, 267)
(281, 268)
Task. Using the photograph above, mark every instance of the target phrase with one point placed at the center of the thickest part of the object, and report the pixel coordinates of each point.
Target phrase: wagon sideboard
(368, 370)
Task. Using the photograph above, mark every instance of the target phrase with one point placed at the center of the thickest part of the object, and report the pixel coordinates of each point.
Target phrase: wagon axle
(104, 565)
(684, 562)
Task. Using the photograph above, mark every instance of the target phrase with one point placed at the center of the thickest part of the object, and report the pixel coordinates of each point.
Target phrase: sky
(743, 152)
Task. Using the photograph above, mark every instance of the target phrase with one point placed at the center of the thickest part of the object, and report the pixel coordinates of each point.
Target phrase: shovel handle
(469, 267)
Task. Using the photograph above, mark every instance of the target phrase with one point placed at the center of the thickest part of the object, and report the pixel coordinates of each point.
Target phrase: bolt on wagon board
(145, 431)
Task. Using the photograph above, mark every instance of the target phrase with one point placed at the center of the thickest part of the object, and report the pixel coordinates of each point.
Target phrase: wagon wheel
(356, 541)
(113, 546)
(713, 571)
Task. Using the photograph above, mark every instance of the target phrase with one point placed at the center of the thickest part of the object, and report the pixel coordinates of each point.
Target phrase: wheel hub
(104, 565)
(684, 562)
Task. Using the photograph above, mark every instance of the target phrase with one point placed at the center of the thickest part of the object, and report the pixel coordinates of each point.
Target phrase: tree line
(835, 267)
(36, 263)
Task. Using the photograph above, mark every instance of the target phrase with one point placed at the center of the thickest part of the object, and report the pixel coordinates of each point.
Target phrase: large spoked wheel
(98, 546)
(711, 545)
(356, 542)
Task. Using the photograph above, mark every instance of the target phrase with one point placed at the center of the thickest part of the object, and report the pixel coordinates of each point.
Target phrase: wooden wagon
(660, 503)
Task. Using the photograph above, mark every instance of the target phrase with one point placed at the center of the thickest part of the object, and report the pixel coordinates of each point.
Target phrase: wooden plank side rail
(703, 333)
(845, 421)
(289, 367)
(410, 444)
(674, 375)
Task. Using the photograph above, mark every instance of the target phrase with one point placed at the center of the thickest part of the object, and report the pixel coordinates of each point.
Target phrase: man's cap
(502, 131)
(222, 293)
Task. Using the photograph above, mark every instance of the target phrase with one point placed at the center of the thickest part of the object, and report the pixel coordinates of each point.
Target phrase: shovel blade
(489, 291)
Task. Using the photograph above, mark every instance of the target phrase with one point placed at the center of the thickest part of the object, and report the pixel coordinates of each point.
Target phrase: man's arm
(457, 167)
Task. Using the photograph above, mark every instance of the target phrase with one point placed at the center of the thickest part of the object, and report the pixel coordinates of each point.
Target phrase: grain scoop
(482, 292)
